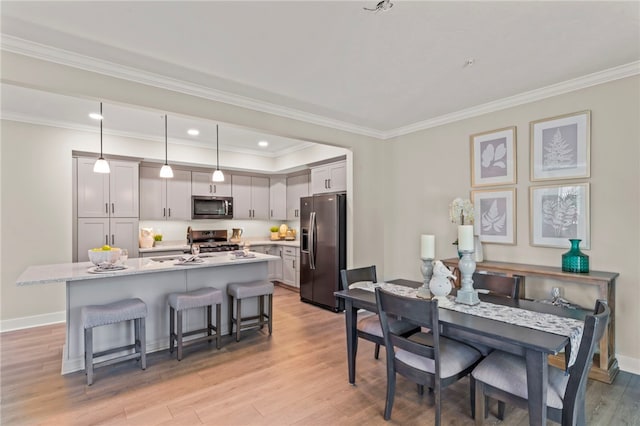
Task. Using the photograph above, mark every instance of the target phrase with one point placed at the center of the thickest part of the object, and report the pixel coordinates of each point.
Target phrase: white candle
(427, 246)
(465, 237)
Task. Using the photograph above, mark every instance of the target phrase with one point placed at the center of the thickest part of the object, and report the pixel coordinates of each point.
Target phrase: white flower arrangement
(461, 211)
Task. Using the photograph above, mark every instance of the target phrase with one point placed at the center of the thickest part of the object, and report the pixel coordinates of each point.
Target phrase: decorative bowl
(104, 257)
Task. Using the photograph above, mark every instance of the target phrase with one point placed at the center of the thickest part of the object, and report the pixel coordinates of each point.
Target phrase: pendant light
(217, 175)
(165, 171)
(101, 165)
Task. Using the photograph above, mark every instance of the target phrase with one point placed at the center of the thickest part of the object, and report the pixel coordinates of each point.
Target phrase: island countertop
(45, 274)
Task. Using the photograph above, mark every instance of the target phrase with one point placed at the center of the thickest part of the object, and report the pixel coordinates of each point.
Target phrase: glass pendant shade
(101, 165)
(217, 176)
(165, 171)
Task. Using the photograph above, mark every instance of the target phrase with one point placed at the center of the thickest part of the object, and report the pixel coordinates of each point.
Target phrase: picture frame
(559, 213)
(561, 147)
(495, 215)
(493, 157)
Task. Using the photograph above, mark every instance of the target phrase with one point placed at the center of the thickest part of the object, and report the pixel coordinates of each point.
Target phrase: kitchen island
(150, 279)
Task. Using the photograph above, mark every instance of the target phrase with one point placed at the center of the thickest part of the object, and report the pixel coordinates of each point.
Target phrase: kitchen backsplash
(177, 230)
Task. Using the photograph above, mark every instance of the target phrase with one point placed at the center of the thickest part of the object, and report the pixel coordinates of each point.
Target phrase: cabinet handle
(249, 212)
(113, 240)
(169, 211)
(328, 183)
(293, 263)
(106, 208)
(215, 189)
(271, 212)
(210, 189)
(113, 208)
(106, 239)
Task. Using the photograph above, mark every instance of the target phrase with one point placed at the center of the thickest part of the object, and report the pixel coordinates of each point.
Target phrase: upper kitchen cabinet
(278, 198)
(329, 178)
(164, 199)
(112, 194)
(250, 197)
(201, 184)
(297, 187)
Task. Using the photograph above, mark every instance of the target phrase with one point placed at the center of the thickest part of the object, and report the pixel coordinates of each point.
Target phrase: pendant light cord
(165, 139)
(217, 150)
(101, 129)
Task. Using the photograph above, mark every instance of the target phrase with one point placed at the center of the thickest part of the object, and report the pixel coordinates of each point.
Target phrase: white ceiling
(331, 61)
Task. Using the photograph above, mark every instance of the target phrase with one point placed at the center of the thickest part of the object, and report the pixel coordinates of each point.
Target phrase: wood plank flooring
(298, 376)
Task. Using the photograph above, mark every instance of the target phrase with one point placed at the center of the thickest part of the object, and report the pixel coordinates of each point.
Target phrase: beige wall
(430, 168)
(398, 189)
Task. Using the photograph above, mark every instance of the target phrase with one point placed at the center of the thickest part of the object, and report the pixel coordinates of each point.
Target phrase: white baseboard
(628, 364)
(32, 321)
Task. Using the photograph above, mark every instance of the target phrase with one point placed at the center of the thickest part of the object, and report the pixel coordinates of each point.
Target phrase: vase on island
(575, 260)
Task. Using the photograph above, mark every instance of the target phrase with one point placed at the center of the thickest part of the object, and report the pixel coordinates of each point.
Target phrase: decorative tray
(100, 270)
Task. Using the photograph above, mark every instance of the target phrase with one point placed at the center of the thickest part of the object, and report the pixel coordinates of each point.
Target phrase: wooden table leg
(350, 315)
(537, 379)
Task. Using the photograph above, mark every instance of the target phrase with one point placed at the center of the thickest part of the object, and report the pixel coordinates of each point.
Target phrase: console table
(605, 365)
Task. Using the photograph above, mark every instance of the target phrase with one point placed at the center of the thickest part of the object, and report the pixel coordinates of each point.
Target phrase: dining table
(534, 345)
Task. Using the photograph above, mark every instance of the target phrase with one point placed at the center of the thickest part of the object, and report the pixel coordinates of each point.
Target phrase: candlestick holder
(467, 267)
(427, 271)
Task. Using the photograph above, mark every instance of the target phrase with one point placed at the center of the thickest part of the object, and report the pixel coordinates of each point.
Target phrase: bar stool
(112, 313)
(245, 290)
(178, 302)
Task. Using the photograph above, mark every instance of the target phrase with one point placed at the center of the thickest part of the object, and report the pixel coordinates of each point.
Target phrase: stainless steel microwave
(211, 207)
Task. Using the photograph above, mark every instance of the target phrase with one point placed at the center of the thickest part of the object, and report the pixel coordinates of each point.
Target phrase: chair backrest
(421, 312)
(498, 285)
(350, 276)
(574, 396)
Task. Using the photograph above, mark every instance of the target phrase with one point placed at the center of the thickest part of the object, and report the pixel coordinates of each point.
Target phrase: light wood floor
(298, 376)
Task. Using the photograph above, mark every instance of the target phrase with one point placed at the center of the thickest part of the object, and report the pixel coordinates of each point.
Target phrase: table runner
(568, 327)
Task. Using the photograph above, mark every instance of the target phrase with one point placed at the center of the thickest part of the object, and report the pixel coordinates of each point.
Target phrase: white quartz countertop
(267, 242)
(166, 246)
(44, 274)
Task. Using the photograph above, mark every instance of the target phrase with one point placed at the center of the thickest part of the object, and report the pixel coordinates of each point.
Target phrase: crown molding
(21, 118)
(64, 57)
(600, 77)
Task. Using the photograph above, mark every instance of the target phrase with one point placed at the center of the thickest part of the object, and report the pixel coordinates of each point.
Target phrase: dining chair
(503, 376)
(368, 324)
(499, 285)
(432, 361)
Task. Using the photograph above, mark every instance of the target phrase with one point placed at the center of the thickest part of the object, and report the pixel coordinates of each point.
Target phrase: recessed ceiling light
(263, 143)
(469, 62)
(193, 132)
(95, 116)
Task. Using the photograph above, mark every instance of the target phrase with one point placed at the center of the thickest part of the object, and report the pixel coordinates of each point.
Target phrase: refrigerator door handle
(312, 240)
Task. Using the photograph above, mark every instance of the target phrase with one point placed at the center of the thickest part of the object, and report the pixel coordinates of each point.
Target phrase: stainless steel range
(210, 241)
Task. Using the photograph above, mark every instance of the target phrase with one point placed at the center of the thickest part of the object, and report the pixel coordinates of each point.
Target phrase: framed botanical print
(493, 157)
(559, 213)
(560, 147)
(495, 215)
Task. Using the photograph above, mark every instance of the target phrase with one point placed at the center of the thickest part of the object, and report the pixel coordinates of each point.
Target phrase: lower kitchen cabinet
(275, 266)
(290, 266)
(116, 232)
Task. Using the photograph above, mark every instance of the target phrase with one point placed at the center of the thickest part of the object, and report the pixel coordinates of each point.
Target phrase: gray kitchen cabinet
(329, 178)
(250, 197)
(290, 266)
(275, 265)
(201, 184)
(116, 232)
(297, 187)
(112, 194)
(278, 198)
(165, 199)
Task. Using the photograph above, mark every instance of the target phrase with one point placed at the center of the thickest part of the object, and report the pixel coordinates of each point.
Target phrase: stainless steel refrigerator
(323, 248)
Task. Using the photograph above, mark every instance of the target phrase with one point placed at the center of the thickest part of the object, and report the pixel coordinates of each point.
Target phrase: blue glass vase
(574, 260)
